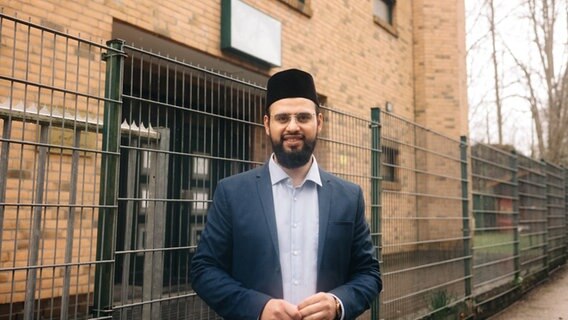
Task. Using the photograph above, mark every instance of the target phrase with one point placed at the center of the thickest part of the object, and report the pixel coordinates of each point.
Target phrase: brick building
(406, 57)
(416, 61)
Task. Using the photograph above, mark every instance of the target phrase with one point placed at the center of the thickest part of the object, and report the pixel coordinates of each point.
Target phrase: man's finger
(318, 306)
(292, 311)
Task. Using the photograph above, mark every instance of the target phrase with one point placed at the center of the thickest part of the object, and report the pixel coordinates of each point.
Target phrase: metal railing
(495, 211)
(51, 97)
(533, 222)
(425, 245)
(210, 127)
(520, 217)
(556, 232)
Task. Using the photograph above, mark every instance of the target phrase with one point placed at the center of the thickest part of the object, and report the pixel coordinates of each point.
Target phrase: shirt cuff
(341, 303)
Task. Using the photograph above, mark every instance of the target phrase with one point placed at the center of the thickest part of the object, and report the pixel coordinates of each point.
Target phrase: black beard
(295, 158)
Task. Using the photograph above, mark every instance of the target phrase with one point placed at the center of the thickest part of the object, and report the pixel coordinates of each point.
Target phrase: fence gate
(187, 129)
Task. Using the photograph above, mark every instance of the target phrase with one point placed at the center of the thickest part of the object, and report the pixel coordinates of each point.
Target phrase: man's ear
(320, 121)
(266, 120)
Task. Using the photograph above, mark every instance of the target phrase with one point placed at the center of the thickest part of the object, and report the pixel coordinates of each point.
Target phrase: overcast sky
(513, 32)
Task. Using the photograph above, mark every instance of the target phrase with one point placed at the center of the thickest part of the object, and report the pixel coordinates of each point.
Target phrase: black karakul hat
(291, 83)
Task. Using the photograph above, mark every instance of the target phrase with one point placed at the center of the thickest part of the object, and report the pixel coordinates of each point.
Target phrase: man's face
(293, 127)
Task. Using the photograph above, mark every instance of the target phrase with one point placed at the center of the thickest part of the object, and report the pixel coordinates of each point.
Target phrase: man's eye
(303, 117)
(282, 118)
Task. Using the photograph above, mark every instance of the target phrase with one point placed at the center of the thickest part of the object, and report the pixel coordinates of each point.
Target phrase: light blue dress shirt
(297, 220)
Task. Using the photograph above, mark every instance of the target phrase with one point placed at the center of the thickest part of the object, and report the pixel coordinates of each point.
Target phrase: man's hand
(277, 309)
(319, 306)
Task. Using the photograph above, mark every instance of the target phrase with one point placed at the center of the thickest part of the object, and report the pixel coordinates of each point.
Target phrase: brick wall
(440, 72)
(357, 63)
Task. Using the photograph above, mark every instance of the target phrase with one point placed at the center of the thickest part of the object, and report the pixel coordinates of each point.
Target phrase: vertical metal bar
(376, 192)
(36, 226)
(132, 187)
(4, 152)
(106, 229)
(514, 160)
(562, 177)
(154, 271)
(465, 216)
(565, 213)
(148, 270)
(70, 226)
(130, 194)
(546, 220)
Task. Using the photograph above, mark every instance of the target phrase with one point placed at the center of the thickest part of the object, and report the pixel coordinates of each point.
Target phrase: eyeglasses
(301, 117)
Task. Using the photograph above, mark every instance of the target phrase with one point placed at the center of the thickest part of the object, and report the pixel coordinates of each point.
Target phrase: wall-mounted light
(388, 106)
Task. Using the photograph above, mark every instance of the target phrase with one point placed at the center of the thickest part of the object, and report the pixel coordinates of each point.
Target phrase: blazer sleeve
(212, 263)
(364, 283)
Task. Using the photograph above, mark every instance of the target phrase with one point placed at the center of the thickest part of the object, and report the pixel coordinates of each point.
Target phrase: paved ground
(549, 301)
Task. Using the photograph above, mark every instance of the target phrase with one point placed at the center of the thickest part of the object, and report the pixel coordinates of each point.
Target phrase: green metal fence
(556, 233)
(496, 215)
(532, 220)
(200, 127)
(52, 93)
(110, 155)
(520, 224)
(425, 222)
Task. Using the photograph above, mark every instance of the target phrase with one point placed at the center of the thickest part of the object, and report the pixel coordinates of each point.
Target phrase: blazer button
(277, 270)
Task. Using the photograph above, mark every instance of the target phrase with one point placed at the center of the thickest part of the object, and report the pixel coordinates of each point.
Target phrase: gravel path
(549, 301)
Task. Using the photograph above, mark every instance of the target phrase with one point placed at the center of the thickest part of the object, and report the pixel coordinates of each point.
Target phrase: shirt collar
(277, 174)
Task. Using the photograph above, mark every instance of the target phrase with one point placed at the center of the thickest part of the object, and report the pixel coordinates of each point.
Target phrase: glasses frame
(298, 117)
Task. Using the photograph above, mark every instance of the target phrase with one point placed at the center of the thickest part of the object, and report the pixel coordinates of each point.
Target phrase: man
(287, 240)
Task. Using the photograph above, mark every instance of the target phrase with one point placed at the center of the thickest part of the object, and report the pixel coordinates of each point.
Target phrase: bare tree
(497, 86)
(535, 72)
(484, 31)
(548, 107)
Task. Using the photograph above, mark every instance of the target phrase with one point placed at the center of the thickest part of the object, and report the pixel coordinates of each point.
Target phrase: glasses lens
(282, 117)
(302, 117)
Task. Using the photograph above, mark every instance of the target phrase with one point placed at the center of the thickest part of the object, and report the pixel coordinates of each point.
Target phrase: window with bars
(390, 164)
(304, 6)
(384, 13)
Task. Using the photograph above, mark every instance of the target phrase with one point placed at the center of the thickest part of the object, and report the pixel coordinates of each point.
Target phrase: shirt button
(295, 199)
(295, 253)
(296, 282)
(295, 225)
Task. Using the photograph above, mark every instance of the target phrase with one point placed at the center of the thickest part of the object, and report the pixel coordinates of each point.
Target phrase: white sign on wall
(246, 30)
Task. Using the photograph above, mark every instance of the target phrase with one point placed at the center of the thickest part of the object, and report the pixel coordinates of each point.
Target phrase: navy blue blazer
(236, 268)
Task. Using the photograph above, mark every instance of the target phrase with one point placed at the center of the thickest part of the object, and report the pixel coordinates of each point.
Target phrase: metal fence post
(546, 231)
(4, 152)
(465, 216)
(516, 213)
(376, 192)
(106, 230)
(566, 211)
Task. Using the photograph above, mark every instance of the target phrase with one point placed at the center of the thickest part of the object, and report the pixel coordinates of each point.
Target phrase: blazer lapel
(324, 201)
(264, 188)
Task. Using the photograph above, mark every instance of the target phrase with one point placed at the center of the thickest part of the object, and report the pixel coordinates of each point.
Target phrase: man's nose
(292, 125)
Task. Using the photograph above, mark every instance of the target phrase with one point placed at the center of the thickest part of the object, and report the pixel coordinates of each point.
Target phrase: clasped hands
(318, 306)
